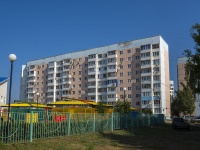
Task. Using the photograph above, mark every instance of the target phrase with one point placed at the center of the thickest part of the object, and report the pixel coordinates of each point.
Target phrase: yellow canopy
(67, 103)
(25, 105)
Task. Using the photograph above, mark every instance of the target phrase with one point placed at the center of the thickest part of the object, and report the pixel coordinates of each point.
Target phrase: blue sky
(34, 29)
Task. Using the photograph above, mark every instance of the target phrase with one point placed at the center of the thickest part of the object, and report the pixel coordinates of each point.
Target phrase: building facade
(100, 74)
(181, 79)
(172, 88)
(3, 90)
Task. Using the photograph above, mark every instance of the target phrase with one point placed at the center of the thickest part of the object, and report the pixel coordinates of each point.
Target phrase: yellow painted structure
(34, 117)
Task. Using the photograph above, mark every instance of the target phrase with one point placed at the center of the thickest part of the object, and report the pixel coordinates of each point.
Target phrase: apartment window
(128, 51)
(129, 80)
(137, 57)
(74, 73)
(156, 77)
(111, 60)
(79, 92)
(86, 65)
(38, 72)
(137, 49)
(129, 66)
(137, 103)
(137, 72)
(145, 47)
(129, 59)
(137, 65)
(121, 74)
(37, 78)
(129, 88)
(154, 46)
(79, 85)
(73, 79)
(145, 62)
(129, 96)
(121, 52)
(138, 95)
(92, 56)
(121, 96)
(79, 79)
(121, 67)
(155, 53)
(143, 55)
(121, 88)
(137, 80)
(85, 78)
(146, 94)
(79, 72)
(86, 71)
(100, 56)
(121, 81)
(137, 87)
(111, 53)
(156, 93)
(73, 92)
(121, 59)
(156, 62)
(129, 73)
(79, 66)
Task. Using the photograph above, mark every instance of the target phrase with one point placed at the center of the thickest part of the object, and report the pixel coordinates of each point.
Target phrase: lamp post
(12, 58)
(37, 99)
(124, 89)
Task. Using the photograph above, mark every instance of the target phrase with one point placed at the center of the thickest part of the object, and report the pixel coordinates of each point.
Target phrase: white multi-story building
(3, 90)
(102, 74)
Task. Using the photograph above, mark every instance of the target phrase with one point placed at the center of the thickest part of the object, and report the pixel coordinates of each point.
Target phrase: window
(129, 73)
(74, 73)
(137, 80)
(121, 52)
(129, 80)
(146, 94)
(79, 72)
(145, 47)
(79, 79)
(121, 81)
(121, 59)
(156, 62)
(129, 88)
(145, 62)
(137, 87)
(155, 53)
(154, 46)
(111, 53)
(138, 95)
(137, 57)
(137, 49)
(129, 66)
(143, 55)
(121, 67)
(129, 59)
(121, 96)
(129, 95)
(121, 74)
(121, 88)
(128, 51)
(92, 56)
(137, 65)
(137, 103)
(156, 77)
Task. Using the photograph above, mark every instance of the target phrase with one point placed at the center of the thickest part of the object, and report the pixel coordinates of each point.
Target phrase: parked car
(187, 118)
(180, 123)
(195, 120)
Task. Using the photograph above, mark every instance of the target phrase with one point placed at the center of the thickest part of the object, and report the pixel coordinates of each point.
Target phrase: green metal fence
(24, 127)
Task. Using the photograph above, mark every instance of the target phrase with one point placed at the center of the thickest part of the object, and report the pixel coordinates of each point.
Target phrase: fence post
(31, 126)
(69, 124)
(94, 122)
(112, 121)
(126, 121)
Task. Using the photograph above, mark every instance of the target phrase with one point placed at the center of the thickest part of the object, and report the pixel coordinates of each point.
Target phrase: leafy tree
(183, 102)
(192, 67)
(123, 107)
(101, 107)
(147, 111)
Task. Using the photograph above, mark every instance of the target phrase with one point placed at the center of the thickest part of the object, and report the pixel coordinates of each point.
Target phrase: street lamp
(37, 99)
(12, 58)
(124, 89)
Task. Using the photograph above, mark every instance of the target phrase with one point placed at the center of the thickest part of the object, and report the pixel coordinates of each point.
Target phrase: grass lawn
(152, 137)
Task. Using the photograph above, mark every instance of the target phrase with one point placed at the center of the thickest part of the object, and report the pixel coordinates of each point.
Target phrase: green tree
(147, 111)
(183, 102)
(192, 67)
(101, 107)
(123, 107)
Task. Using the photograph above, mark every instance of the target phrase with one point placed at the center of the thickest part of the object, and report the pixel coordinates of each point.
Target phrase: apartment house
(3, 90)
(101, 74)
(181, 79)
(172, 88)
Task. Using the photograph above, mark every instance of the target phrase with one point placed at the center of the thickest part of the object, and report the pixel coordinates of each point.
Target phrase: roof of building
(3, 79)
